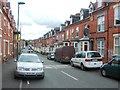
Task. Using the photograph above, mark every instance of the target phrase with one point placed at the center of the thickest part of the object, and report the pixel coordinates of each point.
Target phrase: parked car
(51, 55)
(29, 65)
(111, 68)
(87, 59)
(27, 50)
(64, 54)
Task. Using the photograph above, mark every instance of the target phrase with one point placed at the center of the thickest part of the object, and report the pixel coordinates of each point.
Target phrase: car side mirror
(15, 60)
(42, 61)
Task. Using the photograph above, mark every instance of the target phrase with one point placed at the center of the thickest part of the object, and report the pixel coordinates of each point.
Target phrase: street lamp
(19, 3)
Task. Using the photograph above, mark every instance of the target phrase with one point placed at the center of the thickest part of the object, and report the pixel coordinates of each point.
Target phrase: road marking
(69, 75)
(20, 87)
(56, 66)
(28, 82)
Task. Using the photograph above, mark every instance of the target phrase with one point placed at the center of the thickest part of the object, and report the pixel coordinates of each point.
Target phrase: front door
(86, 46)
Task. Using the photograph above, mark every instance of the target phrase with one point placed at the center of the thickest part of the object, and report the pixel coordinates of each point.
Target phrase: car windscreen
(29, 58)
(93, 54)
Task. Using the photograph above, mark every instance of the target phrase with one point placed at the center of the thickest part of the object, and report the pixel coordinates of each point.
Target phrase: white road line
(69, 75)
(20, 86)
(28, 82)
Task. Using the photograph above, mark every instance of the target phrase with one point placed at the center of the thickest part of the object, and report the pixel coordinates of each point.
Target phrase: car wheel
(82, 67)
(42, 77)
(15, 77)
(72, 64)
(103, 72)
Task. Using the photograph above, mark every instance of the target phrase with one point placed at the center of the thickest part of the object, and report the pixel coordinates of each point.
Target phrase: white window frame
(6, 41)
(62, 36)
(116, 36)
(77, 31)
(71, 19)
(0, 45)
(75, 44)
(67, 34)
(8, 29)
(0, 21)
(81, 15)
(99, 4)
(101, 23)
(68, 44)
(101, 47)
(116, 14)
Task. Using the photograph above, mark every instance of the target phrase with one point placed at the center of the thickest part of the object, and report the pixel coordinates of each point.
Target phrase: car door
(75, 59)
(78, 59)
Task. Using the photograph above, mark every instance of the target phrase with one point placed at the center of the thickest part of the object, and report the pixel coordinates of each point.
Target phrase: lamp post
(19, 3)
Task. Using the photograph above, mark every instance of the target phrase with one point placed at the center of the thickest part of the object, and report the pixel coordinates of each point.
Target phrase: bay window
(117, 45)
(100, 46)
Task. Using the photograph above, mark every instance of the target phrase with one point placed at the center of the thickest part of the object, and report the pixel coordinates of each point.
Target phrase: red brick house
(0, 32)
(96, 29)
(8, 27)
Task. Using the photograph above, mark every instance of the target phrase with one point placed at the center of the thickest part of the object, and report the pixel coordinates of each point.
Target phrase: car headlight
(20, 68)
(39, 69)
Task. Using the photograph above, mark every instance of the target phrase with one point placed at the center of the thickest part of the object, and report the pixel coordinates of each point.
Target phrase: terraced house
(96, 28)
(0, 32)
(7, 27)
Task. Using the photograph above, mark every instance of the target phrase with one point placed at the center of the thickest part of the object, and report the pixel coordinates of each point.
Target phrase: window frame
(77, 31)
(116, 15)
(99, 3)
(118, 45)
(100, 47)
(101, 24)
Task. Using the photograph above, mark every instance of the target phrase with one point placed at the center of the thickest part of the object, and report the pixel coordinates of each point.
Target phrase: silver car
(29, 65)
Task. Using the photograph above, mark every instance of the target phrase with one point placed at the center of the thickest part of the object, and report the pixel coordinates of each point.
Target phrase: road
(58, 75)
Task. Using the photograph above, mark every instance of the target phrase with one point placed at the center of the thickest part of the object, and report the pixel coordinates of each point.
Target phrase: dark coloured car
(51, 55)
(112, 68)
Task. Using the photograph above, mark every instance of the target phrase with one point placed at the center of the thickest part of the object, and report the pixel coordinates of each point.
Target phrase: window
(0, 21)
(76, 45)
(99, 3)
(116, 62)
(72, 33)
(100, 23)
(8, 29)
(4, 25)
(83, 55)
(117, 45)
(77, 31)
(117, 15)
(66, 44)
(81, 15)
(71, 20)
(78, 55)
(67, 35)
(0, 45)
(62, 36)
(100, 45)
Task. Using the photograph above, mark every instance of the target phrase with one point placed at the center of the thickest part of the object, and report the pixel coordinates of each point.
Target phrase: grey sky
(39, 16)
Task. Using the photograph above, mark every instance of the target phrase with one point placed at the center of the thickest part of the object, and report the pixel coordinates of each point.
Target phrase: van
(87, 59)
(64, 54)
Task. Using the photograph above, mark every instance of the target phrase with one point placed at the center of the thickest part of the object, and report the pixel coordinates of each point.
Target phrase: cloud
(37, 17)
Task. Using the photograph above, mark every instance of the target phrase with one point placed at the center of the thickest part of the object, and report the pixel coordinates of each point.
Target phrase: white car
(29, 65)
(87, 59)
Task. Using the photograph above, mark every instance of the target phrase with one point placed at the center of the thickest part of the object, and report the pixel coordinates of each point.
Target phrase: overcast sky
(37, 17)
